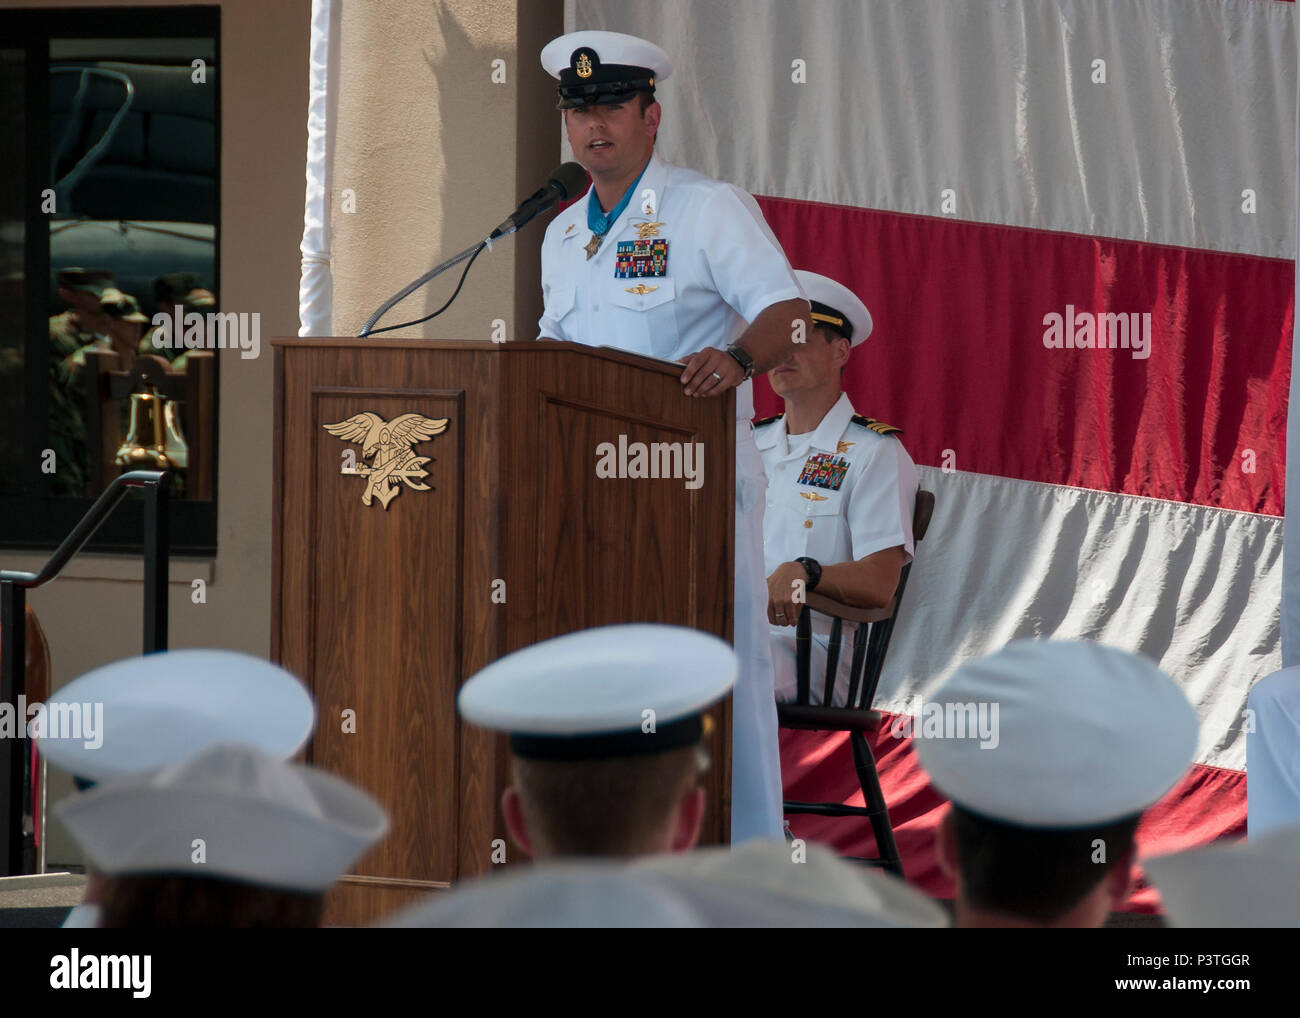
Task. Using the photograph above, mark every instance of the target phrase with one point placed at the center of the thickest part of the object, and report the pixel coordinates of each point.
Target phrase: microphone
(568, 180)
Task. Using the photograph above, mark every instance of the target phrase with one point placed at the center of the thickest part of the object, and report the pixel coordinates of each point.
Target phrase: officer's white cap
(595, 67)
(261, 821)
(613, 691)
(612, 48)
(1085, 735)
(837, 299)
(1255, 883)
(161, 708)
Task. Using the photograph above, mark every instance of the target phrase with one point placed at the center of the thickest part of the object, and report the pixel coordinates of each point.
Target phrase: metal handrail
(14, 585)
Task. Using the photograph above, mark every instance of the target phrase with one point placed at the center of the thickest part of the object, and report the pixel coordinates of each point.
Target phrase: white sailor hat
(755, 885)
(1081, 735)
(584, 894)
(835, 306)
(614, 691)
(603, 68)
(161, 708)
(762, 884)
(1253, 884)
(261, 820)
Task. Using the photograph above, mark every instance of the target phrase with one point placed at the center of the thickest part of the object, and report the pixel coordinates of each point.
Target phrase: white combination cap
(1242, 884)
(603, 68)
(161, 708)
(1082, 734)
(613, 691)
(835, 306)
(258, 820)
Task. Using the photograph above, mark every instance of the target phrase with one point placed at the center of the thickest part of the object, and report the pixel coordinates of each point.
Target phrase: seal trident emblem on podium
(387, 444)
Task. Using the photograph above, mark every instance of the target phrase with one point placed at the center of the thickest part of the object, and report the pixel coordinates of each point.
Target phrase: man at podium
(666, 262)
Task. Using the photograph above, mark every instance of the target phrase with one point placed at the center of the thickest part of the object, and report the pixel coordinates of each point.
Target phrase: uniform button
(770, 503)
(808, 524)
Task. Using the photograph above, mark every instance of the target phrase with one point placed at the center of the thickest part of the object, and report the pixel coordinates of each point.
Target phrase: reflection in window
(133, 174)
(109, 196)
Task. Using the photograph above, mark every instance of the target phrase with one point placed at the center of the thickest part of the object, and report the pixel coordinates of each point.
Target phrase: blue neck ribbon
(599, 223)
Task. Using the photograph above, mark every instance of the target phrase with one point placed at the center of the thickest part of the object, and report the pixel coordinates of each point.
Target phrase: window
(109, 199)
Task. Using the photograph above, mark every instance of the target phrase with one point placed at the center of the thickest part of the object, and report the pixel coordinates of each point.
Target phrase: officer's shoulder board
(767, 420)
(879, 427)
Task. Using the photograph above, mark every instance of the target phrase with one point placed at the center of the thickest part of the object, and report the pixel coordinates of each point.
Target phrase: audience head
(231, 837)
(605, 737)
(1085, 737)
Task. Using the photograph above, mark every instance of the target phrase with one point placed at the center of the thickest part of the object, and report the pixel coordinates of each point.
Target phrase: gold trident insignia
(388, 445)
(583, 66)
(647, 230)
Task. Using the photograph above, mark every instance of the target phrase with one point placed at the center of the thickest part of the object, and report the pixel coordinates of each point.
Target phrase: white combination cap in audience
(259, 820)
(1078, 734)
(613, 691)
(147, 712)
(1241, 884)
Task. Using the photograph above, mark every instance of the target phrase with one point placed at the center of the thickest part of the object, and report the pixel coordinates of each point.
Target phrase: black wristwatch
(814, 570)
(745, 361)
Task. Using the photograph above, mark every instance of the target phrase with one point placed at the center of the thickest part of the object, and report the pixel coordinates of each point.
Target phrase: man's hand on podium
(711, 372)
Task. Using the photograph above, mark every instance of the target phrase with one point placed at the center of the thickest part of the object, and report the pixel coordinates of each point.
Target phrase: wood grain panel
(388, 612)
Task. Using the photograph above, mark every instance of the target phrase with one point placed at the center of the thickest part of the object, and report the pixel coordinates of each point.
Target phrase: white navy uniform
(836, 494)
(720, 267)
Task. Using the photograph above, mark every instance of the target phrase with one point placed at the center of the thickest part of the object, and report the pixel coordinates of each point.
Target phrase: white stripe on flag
(1195, 589)
(904, 99)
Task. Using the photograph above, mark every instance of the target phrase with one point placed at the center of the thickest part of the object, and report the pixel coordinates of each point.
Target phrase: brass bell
(145, 447)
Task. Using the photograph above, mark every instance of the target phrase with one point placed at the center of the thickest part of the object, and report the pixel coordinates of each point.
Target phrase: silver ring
(780, 615)
(717, 376)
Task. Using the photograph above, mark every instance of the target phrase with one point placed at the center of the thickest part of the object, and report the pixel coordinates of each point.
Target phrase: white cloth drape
(316, 288)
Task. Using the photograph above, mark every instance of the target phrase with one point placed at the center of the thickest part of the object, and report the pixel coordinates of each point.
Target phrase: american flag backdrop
(1074, 225)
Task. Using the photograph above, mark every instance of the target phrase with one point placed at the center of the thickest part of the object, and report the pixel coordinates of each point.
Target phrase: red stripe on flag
(1208, 803)
(958, 359)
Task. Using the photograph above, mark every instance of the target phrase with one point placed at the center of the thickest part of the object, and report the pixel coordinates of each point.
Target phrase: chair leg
(878, 812)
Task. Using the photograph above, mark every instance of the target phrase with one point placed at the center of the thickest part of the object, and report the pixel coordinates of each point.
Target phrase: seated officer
(605, 728)
(840, 490)
(1047, 797)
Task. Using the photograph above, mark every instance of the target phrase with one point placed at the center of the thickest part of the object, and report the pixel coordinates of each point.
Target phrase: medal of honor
(593, 245)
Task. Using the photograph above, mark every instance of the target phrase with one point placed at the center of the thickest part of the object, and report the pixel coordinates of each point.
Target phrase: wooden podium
(495, 531)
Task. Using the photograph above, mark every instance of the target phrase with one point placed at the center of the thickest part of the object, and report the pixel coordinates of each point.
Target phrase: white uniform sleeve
(750, 270)
(554, 305)
(880, 506)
